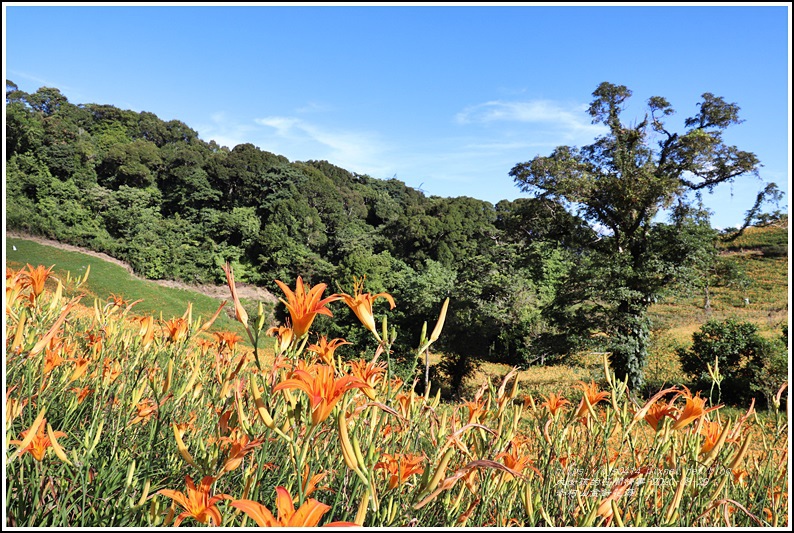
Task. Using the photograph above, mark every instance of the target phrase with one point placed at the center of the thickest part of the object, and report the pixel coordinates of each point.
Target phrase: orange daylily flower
(740, 476)
(227, 338)
(81, 393)
(694, 409)
(145, 409)
(513, 461)
(111, 370)
(593, 396)
(284, 334)
(182, 427)
(80, 368)
(240, 446)
(476, 411)
(177, 329)
(308, 515)
(304, 304)
(370, 373)
(310, 483)
(322, 389)
(204, 346)
(361, 304)
(94, 342)
(400, 467)
(554, 403)
(404, 403)
(198, 504)
(35, 278)
(14, 287)
(117, 300)
(711, 434)
(40, 443)
(325, 349)
(656, 413)
(52, 357)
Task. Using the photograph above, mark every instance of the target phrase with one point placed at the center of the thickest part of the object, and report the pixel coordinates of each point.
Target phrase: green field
(107, 278)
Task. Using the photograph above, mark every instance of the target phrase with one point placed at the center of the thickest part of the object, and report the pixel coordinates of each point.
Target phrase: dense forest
(152, 193)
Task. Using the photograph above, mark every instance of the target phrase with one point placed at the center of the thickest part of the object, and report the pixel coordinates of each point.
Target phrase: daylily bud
(440, 323)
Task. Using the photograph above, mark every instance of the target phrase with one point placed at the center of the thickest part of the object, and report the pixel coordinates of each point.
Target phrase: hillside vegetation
(759, 267)
(528, 281)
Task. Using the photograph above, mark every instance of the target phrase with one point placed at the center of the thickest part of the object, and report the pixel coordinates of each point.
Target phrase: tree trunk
(629, 344)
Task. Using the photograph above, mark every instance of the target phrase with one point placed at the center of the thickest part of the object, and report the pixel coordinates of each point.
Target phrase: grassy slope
(106, 278)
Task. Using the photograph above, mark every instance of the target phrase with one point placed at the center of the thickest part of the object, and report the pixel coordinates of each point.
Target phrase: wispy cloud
(359, 151)
(568, 119)
(314, 107)
(226, 131)
(19, 77)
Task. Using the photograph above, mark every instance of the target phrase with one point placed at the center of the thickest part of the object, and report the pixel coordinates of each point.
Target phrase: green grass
(107, 278)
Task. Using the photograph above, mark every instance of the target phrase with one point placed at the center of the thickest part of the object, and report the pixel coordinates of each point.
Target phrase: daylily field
(114, 419)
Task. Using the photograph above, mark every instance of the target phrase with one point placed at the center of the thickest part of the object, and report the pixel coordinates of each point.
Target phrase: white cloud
(358, 151)
(571, 120)
(224, 131)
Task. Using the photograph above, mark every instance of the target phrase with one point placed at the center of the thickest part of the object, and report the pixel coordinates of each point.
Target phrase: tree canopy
(619, 185)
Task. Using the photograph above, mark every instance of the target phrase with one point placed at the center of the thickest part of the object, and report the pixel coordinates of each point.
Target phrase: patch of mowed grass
(770, 240)
(106, 278)
(762, 254)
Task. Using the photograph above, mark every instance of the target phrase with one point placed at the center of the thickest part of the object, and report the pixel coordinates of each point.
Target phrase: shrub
(746, 360)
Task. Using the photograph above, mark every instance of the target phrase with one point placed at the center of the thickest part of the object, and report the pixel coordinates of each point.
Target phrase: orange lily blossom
(515, 462)
(40, 443)
(308, 515)
(14, 286)
(657, 412)
(370, 373)
(361, 304)
(693, 409)
(593, 396)
(52, 357)
(197, 503)
(241, 444)
(145, 409)
(322, 389)
(400, 467)
(36, 277)
(81, 394)
(310, 483)
(304, 304)
(711, 434)
(283, 334)
(227, 338)
(740, 477)
(554, 403)
(325, 349)
(404, 403)
(177, 329)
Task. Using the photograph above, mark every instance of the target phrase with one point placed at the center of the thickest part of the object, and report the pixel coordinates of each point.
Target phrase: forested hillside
(152, 193)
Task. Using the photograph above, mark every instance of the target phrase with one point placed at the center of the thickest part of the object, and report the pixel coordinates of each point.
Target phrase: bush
(748, 362)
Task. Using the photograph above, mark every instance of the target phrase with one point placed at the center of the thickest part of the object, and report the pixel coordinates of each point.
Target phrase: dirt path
(251, 292)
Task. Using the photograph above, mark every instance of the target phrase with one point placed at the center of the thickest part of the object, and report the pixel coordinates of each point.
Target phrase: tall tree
(619, 184)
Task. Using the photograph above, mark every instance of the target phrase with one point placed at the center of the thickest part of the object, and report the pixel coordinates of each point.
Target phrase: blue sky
(445, 98)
